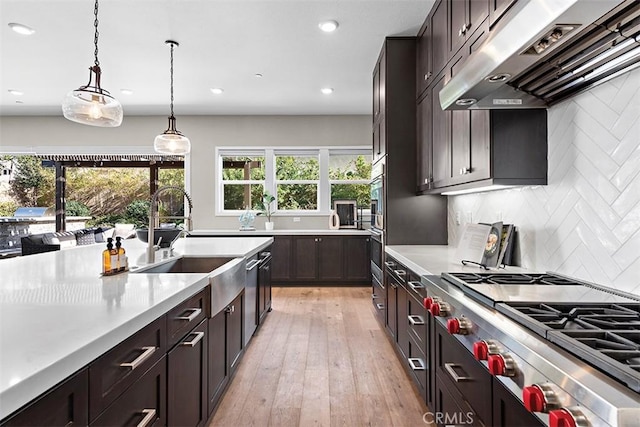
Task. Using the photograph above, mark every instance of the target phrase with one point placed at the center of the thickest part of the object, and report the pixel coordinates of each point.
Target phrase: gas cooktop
(599, 325)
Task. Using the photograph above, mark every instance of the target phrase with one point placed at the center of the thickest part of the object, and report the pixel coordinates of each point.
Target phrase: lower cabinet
(324, 259)
(187, 379)
(509, 411)
(466, 379)
(66, 405)
(143, 404)
(225, 348)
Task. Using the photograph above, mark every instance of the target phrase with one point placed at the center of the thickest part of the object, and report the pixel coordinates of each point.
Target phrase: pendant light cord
(95, 37)
(171, 68)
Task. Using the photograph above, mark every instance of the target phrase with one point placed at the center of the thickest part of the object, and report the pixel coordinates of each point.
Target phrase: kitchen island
(57, 314)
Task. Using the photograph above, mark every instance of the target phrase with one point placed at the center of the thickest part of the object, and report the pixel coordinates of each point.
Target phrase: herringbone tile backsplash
(586, 222)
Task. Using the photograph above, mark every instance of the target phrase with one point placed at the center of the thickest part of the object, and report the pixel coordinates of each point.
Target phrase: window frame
(270, 182)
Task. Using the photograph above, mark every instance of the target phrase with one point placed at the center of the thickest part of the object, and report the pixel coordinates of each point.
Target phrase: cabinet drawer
(419, 366)
(66, 405)
(452, 409)
(115, 371)
(185, 316)
(456, 366)
(418, 319)
(143, 404)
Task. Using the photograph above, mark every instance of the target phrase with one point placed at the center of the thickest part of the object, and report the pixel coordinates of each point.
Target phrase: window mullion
(324, 190)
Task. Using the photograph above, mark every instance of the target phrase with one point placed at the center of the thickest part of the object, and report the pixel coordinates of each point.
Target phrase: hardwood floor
(320, 359)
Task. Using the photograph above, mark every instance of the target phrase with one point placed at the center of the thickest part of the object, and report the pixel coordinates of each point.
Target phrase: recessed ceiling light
(19, 102)
(327, 90)
(126, 91)
(16, 92)
(21, 29)
(217, 90)
(328, 26)
(258, 75)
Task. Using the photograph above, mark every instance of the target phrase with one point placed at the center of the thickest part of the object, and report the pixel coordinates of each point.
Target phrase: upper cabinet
(465, 17)
(460, 150)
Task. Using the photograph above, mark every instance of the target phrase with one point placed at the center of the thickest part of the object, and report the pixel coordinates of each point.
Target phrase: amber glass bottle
(107, 259)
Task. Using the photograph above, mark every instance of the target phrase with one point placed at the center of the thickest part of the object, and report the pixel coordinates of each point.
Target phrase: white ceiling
(222, 44)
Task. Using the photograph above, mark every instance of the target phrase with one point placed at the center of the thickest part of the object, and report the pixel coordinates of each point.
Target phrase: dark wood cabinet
(424, 72)
(451, 404)
(424, 143)
(509, 411)
(282, 252)
(440, 136)
(465, 17)
(225, 345)
(497, 8)
(324, 259)
(218, 364)
(403, 321)
(67, 404)
(392, 309)
(454, 366)
(439, 19)
(305, 258)
(144, 403)
(357, 265)
(264, 284)
(187, 379)
(115, 371)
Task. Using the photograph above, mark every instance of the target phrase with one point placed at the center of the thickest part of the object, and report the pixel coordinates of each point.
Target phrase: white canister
(334, 220)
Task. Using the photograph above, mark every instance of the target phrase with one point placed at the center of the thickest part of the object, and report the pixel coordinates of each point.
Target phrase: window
(297, 182)
(242, 180)
(349, 177)
(302, 180)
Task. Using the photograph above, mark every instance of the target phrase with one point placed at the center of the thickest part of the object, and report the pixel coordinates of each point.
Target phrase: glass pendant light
(90, 104)
(172, 141)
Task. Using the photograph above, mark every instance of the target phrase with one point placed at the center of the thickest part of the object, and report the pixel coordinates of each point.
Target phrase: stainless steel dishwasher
(251, 298)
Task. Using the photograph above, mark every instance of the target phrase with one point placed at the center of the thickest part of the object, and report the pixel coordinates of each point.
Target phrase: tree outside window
(297, 179)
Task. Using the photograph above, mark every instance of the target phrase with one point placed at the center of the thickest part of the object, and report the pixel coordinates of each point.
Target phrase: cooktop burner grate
(509, 279)
(607, 336)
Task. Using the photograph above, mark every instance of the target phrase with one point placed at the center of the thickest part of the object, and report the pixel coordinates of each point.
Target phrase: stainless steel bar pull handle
(374, 296)
(401, 273)
(195, 312)
(380, 306)
(414, 319)
(196, 340)
(450, 367)
(148, 351)
(416, 363)
(389, 264)
(253, 264)
(416, 285)
(149, 416)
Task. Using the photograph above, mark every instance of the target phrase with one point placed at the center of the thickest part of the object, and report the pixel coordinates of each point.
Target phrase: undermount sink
(188, 265)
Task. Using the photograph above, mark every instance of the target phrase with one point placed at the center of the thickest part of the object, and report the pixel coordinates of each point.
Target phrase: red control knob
(435, 309)
(481, 350)
(428, 301)
(496, 364)
(561, 418)
(533, 398)
(453, 326)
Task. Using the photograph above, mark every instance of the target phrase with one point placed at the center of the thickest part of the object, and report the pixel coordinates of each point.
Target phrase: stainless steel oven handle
(452, 372)
(416, 363)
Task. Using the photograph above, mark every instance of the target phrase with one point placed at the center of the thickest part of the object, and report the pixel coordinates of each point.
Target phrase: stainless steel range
(569, 350)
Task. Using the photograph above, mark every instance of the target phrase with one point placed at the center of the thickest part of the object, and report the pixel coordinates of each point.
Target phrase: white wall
(586, 222)
(205, 132)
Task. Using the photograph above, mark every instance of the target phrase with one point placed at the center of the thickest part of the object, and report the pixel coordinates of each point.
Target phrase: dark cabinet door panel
(357, 258)
(66, 405)
(187, 379)
(403, 320)
(457, 24)
(281, 250)
(439, 36)
(331, 258)
(425, 143)
(305, 258)
(509, 411)
(143, 403)
(235, 341)
(217, 356)
(441, 130)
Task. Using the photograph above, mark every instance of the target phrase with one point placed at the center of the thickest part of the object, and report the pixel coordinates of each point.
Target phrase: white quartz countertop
(325, 232)
(434, 259)
(57, 314)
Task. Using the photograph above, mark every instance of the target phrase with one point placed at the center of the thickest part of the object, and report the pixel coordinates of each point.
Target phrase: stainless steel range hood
(543, 51)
